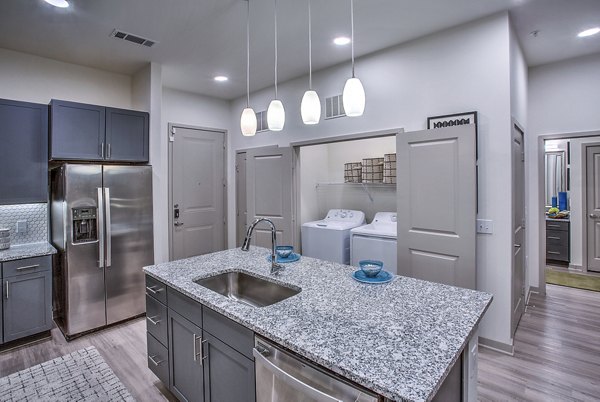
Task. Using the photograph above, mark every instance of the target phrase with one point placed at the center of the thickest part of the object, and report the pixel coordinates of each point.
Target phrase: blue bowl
(284, 251)
(370, 267)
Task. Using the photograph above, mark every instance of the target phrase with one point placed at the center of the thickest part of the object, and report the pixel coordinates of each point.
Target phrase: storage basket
(353, 172)
(372, 170)
(389, 168)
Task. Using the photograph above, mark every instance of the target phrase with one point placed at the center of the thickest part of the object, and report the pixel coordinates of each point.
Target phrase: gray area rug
(79, 376)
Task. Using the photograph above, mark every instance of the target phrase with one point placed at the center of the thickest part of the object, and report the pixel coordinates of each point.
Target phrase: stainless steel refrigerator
(101, 223)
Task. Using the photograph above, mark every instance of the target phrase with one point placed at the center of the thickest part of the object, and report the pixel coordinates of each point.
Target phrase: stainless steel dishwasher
(282, 376)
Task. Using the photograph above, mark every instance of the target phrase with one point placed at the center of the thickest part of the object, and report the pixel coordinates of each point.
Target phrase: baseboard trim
(497, 346)
(532, 289)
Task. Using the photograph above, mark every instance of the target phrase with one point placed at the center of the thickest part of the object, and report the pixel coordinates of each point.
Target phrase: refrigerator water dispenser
(84, 225)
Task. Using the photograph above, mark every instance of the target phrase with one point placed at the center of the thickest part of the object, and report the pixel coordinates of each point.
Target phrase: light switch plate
(485, 226)
(21, 226)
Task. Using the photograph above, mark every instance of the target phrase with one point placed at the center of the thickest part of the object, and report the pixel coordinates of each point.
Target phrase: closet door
(269, 193)
(436, 178)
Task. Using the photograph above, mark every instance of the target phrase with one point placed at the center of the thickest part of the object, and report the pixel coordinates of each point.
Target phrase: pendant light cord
(248, 55)
(352, 32)
(309, 48)
(275, 49)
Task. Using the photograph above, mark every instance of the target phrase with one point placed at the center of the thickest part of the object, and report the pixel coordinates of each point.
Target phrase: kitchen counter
(20, 251)
(399, 339)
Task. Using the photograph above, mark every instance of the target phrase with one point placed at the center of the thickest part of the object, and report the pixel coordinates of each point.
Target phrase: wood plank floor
(557, 353)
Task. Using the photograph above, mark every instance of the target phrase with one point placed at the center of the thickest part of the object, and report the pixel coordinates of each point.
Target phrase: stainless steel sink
(247, 289)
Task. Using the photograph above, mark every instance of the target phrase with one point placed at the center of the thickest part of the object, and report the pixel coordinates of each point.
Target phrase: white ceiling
(199, 39)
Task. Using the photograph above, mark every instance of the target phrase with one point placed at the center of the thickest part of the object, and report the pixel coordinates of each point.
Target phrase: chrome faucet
(275, 268)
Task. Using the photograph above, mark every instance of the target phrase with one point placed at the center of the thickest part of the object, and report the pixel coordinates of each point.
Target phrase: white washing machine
(376, 241)
(329, 238)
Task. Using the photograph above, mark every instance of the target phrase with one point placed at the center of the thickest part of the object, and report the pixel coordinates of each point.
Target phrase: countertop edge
(14, 253)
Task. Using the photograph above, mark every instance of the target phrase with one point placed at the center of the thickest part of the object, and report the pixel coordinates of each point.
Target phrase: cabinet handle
(554, 226)
(154, 290)
(553, 238)
(102, 149)
(195, 339)
(153, 320)
(6, 290)
(28, 267)
(108, 151)
(553, 252)
(152, 359)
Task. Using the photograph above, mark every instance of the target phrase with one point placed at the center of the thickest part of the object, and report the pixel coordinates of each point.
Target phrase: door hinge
(172, 135)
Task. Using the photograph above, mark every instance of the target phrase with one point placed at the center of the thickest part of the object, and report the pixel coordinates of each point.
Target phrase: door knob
(178, 223)
(594, 216)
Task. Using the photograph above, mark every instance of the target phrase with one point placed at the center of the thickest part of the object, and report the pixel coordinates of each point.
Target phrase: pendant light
(248, 120)
(353, 96)
(310, 108)
(276, 112)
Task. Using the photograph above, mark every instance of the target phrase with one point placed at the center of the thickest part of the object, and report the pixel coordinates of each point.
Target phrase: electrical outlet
(485, 226)
(21, 226)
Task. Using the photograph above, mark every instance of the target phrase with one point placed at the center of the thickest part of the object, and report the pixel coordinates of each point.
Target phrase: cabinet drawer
(156, 319)
(156, 289)
(158, 359)
(27, 266)
(233, 334)
(557, 225)
(185, 306)
(558, 253)
(557, 238)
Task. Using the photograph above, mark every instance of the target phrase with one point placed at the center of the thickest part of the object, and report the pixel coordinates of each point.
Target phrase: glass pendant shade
(353, 97)
(276, 115)
(310, 108)
(248, 122)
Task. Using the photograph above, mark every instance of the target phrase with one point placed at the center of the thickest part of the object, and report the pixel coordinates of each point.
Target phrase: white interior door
(269, 193)
(518, 226)
(240, 198)
(593, 207)
(198, 192)
(436, 182)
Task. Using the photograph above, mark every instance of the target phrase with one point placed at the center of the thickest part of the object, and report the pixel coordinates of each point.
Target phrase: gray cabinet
(558, 241)
(126, 135)
(77, 131)
(228, 375)
(26, 297)
(24, 152)
(97, 133)
(185, 358)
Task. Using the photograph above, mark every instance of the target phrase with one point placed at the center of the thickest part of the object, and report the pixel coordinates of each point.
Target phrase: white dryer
(376, 241)
(329, 238)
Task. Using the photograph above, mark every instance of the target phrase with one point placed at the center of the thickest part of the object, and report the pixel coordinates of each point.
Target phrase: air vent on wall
(261, 121)
(138, 40)
(334, 107)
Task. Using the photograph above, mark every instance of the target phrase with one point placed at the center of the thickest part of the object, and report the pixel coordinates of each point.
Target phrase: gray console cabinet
(24, 152)
(26, 297)
(97, 133)
(202, 365)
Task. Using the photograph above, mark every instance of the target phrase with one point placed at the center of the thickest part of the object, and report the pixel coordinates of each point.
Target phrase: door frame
(513, 325)
(170, 135)
(584, 212)
(541, 203)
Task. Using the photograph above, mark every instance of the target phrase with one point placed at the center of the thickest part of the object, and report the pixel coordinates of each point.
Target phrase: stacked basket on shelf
(4, 238)
(353, 172)
(372, 171)
(389, 168)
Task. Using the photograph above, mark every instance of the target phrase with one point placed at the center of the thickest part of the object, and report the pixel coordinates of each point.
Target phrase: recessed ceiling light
(220, 78)
(588, 32)
(58, 3)
(342, 40)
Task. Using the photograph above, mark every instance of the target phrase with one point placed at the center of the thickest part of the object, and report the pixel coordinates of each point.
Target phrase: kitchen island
(400, 340)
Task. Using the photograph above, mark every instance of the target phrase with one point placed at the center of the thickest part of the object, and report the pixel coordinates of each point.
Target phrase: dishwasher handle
(291, 380)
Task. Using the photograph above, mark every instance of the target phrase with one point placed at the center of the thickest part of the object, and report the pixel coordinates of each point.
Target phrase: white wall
(37, 79)
(563, 98)
(189, 109)
(462, 69)
(314, 168)
(354, 151)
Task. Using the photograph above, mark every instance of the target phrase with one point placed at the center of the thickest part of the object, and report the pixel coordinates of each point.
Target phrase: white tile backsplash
(36, 216)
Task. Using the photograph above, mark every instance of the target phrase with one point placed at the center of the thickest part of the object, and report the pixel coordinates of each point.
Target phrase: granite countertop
(398, 339)
(19, 251)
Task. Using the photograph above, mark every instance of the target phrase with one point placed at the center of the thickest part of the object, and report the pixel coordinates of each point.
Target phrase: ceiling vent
(261, 121)
(138, 40)
(334, 107)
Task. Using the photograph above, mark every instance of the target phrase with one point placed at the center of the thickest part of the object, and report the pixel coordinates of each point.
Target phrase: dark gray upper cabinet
(228, 375)
(97, 133)
(126, 135)
(24, 152)
(77, 131)
(27, 294)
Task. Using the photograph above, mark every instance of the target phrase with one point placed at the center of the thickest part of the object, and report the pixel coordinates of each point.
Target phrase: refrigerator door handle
(100, 228)
(108, 228)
